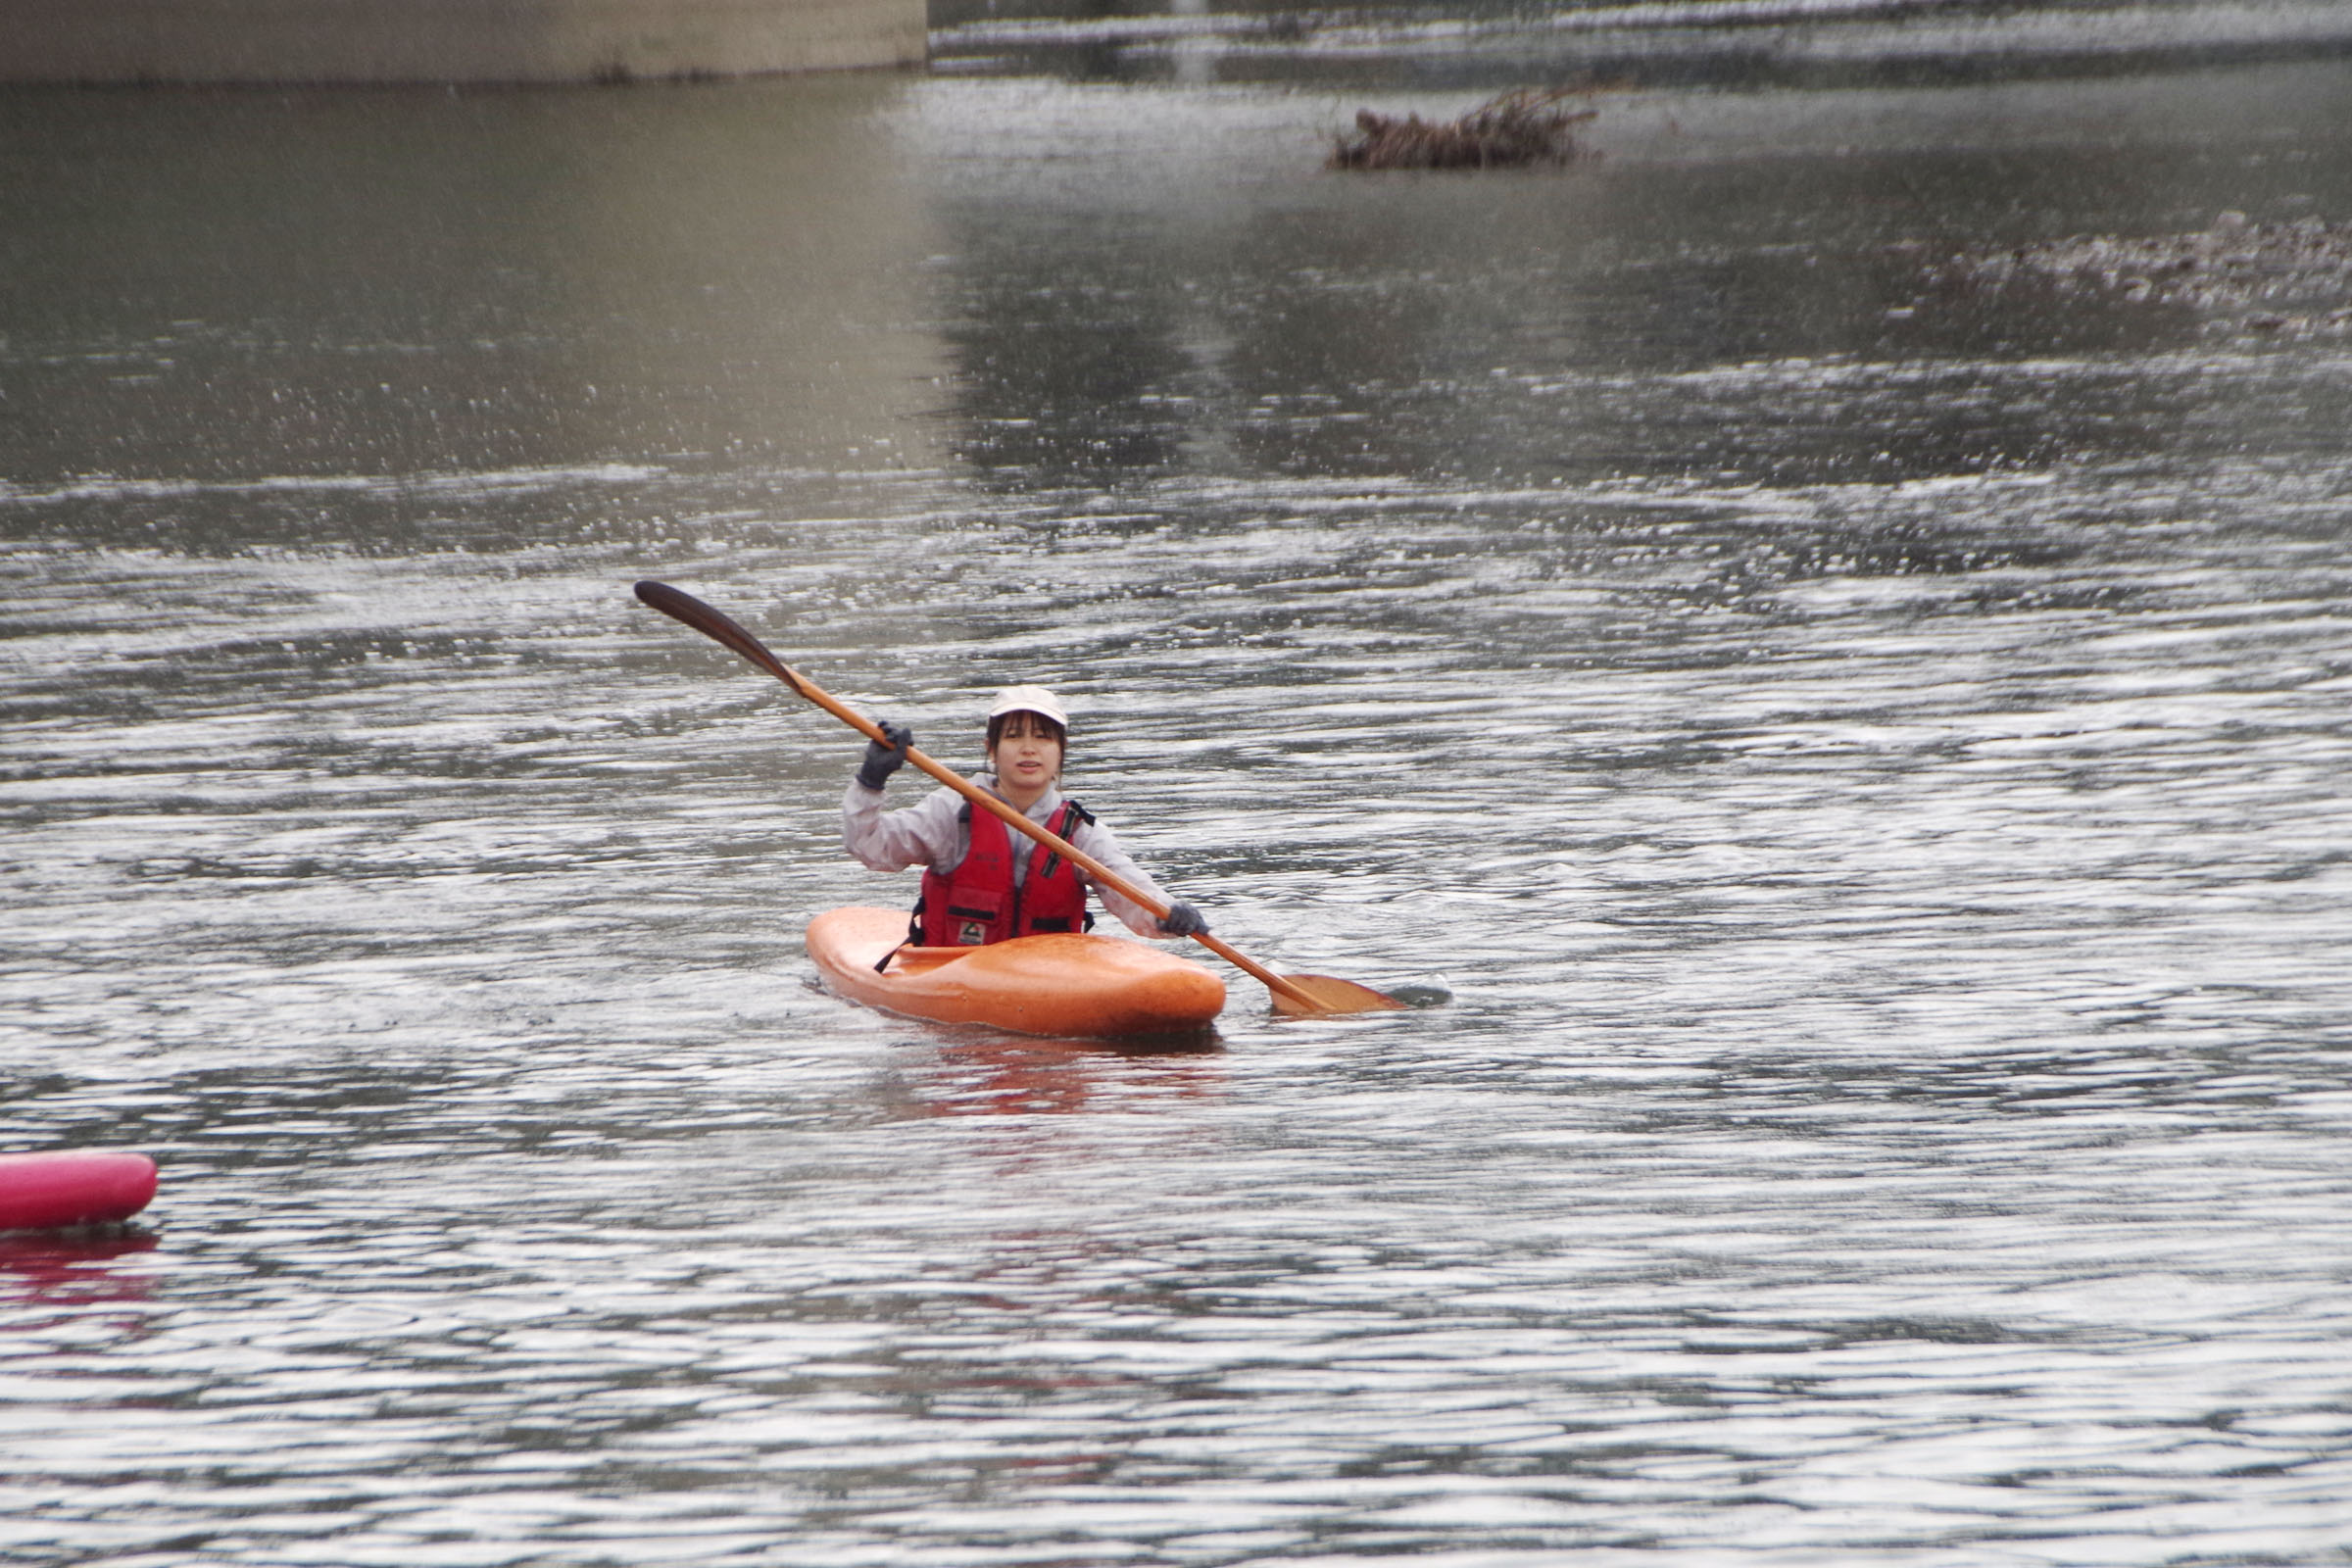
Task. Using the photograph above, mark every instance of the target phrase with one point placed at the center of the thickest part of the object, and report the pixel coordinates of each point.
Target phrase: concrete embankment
(258, 41)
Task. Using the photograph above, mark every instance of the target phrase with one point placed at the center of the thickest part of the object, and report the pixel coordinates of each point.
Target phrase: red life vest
(977, 903)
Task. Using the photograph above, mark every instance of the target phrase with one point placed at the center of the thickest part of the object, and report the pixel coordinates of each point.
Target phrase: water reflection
(404, 323)
(1419, 327)
(1005, 1077)
(72, 1270)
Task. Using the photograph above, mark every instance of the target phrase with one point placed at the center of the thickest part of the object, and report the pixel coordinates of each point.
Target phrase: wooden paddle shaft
(716, 625)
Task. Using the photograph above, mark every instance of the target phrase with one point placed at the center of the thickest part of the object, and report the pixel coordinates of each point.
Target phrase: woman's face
(1027, 757)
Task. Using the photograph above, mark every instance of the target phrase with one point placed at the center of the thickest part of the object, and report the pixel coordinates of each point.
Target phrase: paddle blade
(1331, 995)
(680, 605)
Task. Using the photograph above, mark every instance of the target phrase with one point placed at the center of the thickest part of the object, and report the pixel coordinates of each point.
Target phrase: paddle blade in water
(1331, 994)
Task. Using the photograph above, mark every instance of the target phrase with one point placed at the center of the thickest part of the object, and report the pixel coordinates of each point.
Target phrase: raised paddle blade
(716, 625)
(1331, 995)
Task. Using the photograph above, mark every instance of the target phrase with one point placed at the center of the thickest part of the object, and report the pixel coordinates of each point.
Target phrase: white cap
(1029, 700)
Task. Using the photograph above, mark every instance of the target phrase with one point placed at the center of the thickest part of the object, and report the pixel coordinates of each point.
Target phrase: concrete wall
(97, 41)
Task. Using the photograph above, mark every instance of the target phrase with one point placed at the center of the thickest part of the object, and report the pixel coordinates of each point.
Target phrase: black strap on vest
(1074, 817)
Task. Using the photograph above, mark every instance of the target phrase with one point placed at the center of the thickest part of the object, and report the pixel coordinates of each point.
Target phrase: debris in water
(1526, 126)
(2290, 278)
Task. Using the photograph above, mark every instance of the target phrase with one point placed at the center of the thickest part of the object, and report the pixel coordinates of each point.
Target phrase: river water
(1856, 725)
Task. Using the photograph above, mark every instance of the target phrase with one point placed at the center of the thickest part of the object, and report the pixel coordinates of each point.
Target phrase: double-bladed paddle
(1294, 995)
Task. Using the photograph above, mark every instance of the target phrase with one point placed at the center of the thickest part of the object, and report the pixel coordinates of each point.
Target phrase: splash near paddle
(74, 1186)
(1293, 996)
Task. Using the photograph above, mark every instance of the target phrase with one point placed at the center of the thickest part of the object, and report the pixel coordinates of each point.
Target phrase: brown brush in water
(1526, 126)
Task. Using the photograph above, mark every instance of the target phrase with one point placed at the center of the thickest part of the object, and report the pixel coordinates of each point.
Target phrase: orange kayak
(1085, 985)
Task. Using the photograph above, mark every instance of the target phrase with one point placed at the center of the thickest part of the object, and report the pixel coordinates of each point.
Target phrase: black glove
(883, 760)
(1182, 920)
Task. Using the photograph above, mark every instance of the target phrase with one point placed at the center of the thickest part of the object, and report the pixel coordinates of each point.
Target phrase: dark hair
(995, 728)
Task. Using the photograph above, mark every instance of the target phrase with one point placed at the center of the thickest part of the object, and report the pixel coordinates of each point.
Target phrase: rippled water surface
(1862, 742)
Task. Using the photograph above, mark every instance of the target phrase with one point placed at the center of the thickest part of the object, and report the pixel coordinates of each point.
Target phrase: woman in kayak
(980, 884)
